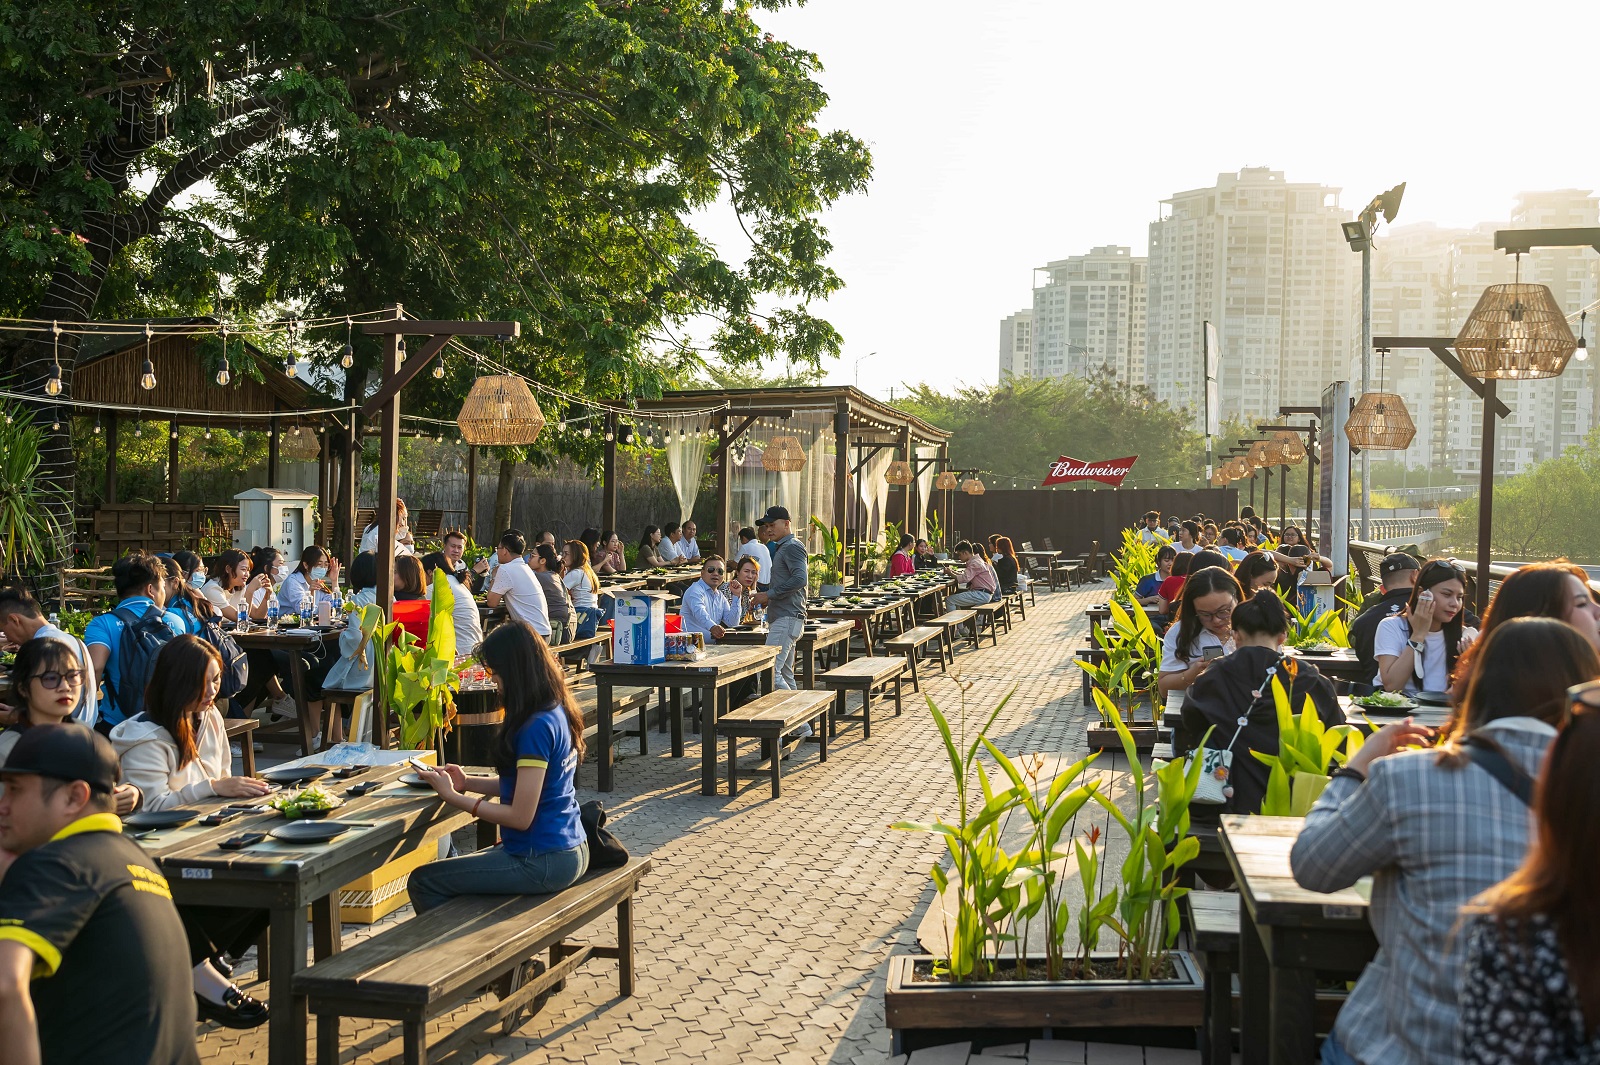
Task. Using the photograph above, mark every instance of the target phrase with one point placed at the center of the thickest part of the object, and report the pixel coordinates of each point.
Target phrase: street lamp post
(1358, 234)
(859, 361)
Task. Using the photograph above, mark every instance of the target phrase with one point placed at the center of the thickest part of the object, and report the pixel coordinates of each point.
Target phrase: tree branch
(200, 164)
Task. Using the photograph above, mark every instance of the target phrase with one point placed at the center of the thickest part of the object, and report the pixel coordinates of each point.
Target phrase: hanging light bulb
(610, 436)
(97, 425)
(347, 354)
(438, 371)
(402, 346)
(208, 431)
(55, 427)
(289, 367)
(223, 376)
(1582, 354)
(173, 433)
(138, 430)
(52, 386)
(586, 432)
(147, 372)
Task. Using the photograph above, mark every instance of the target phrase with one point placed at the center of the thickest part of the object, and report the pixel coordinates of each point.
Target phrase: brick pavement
(764, 928)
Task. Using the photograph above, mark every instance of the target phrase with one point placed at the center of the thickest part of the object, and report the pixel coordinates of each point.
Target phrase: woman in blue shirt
(543, 847)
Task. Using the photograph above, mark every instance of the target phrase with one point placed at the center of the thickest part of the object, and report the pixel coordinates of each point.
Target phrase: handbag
(605, 850)
(1216, 765)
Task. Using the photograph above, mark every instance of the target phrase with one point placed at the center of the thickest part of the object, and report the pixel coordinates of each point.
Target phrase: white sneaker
(284, 706)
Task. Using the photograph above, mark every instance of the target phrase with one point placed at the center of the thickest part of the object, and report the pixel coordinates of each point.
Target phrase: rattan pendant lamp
(973, 487)
(500, 411)
(899, 472)
(1380, 421)
(1516, 332)
(783, 455)
(1294, 450)
(947, 481)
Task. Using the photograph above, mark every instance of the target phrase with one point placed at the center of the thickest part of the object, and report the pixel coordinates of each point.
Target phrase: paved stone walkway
(764, 927)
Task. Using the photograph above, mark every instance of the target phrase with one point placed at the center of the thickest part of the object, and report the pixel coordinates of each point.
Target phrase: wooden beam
(172, 461)
(1485, 504)
(1521, 240)
(1441, 348)
(324, 487)
(727, 438)
(413, 365)
(413, 327)
(724, 512)
(388, 468)
(272, 453)
(841, 470)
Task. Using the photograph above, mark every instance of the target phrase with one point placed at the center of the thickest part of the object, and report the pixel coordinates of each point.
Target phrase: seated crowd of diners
(1474, 834)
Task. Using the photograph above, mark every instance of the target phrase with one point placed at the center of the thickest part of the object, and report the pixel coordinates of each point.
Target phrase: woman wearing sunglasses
(1417, 650)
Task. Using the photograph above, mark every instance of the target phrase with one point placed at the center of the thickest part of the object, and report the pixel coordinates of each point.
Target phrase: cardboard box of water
(641, 629)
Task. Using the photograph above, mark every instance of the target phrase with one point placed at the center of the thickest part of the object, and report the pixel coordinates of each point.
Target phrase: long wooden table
(1341, 663)
(288, 878)
(710, 676)
(295, 645)
(869, 614)
(813, 638)
(1287, 935)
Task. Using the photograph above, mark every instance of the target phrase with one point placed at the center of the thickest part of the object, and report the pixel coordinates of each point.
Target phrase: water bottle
(272, 610)
(55, 620)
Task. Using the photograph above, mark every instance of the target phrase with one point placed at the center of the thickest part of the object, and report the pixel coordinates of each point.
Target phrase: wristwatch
(1415, 645)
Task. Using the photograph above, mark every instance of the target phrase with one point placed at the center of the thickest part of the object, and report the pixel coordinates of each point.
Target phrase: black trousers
(221, 930)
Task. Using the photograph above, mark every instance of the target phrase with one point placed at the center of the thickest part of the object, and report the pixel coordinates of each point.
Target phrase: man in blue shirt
(1230, 545)
(707, 608)
(141, 587)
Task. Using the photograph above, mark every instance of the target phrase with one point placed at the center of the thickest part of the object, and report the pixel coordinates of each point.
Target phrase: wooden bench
(1017, 599)
(911, 642)
(990, 615)
(769, 719)
(576, 652)
(950, 621)
(240, 728)
(864, 675)
(434, 962)
(1214, 930)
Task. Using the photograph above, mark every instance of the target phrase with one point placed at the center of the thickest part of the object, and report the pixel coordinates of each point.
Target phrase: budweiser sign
(1107, 471)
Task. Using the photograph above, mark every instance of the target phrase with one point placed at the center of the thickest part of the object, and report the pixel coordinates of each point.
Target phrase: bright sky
(1011, 132)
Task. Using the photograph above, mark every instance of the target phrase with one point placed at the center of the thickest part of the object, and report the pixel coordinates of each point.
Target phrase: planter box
(1139, 715)
(949, 1010)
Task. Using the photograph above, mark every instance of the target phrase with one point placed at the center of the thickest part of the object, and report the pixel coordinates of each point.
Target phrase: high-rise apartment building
(1263, 259)
(1016, 345)
(1089, 315)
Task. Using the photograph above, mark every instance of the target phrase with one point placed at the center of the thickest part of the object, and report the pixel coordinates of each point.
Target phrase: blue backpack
(235, 665)
(141, 641)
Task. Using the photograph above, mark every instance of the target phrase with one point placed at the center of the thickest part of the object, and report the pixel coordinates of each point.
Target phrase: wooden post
(350, 487)
(472, 492)
(1311, 480)
(608, 476)
(1480, 585)
(724, 513)
(841, 471)
(111, 457)
(1283, 497)
(1266, 493)
(905, 489)
(272, 453)
(324, 488)
(172, 461)
(388, 468)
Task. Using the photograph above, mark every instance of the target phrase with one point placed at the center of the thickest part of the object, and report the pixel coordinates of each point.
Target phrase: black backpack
(235, 664)
(141, 641)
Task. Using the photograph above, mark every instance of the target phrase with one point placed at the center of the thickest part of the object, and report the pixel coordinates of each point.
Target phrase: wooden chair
(949, 621)
(911, 643)
(240, 728)
(428, 523)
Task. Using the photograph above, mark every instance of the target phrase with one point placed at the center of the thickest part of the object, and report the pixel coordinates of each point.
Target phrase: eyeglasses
(718, 572)
(1215, 615)
(1440, 563)
(52, 679)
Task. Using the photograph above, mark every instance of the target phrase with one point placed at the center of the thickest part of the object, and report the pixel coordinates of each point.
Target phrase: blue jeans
(784, 633)
(970, 598)
(1334, 1054)
(588, 620)
(496, 872)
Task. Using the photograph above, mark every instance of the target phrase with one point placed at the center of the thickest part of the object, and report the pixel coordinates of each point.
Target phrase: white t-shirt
(220, 599)
(578, 589)
(1171, 663)
(524, 599)
(669, 551)
(1187, 550)
(1152, 536)
(469, 625)
(369, 542)
(757, 550)
(1390, 639)
(688, 548)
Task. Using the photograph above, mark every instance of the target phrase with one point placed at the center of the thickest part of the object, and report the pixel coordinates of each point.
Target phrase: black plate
(303, 774)
(1431, 698)
(413, 781)
(159, 818)
(309, 831)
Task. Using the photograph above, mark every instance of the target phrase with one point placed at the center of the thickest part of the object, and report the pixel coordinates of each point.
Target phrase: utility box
(275, 517)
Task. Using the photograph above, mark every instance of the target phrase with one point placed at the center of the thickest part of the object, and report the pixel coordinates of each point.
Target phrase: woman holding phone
(1203, 630)
(1417, 650)
(543, 847)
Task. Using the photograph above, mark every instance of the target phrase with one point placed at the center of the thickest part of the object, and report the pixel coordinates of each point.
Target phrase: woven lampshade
(1273, 453)
(1219, 479)
(783, 455)
(1257, 456)
(1237, 469)
(499, 412)
(298, 444)
(899, 472)
(1517, 332)
(1380, 422)
(946, 481)
(973, 487)
(1294, 451)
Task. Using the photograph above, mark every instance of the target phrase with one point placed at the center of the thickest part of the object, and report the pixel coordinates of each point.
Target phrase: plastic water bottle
(272, 609)
(55, 619)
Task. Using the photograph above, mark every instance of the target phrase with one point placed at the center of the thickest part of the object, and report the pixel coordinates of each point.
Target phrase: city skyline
(991, 161)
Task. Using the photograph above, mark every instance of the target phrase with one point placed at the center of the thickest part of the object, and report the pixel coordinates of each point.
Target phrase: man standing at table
(785, 597)
(515, 585)
(94, 964)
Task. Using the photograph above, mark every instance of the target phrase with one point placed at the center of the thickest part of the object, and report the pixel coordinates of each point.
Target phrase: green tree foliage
(1019, 428)
(1544, 512)
(487, 159)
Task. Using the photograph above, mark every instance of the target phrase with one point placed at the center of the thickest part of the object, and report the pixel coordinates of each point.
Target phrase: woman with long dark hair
(1417, 650)
(1203, 630)
(649, 556)
(582, 587)
(1005, 565)
(1531, 991)
(1171, 586)
(543, 847)
(47, 681)
(1434, 828)
(901, 562)
(176, 752)
(1557, 589)
(610, 558)
(315, 578)
(1256, 571)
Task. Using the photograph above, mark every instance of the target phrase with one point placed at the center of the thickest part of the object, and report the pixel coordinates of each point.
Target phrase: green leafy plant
(1306, 747)
(829, 561)
(935, 532)
(75, 621)
(1311, 629)
(1131, 651)
(29, 531)
(418, 680)
(1131, 563)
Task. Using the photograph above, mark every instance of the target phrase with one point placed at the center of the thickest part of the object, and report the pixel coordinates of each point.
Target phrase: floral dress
(1518, 1005)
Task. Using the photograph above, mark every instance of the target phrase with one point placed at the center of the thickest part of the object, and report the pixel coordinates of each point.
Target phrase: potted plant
(1002, 897)
(1123, 674)
(828, 563)
(28, 528)
(1313, 630)
(936, 536)
(418, 681)
(1135, 561)
(1306, 747)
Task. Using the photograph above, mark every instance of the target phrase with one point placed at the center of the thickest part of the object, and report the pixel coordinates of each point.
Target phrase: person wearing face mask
(312, 582)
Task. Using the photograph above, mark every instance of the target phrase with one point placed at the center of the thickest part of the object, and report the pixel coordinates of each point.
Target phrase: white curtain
(688, 443)
(805, 492)
(874, 492)
(924, 489)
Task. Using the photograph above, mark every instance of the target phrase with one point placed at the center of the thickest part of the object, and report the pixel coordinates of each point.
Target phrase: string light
(401, 344)
(223, 375)
(289, 368)
(52, 387)
(347, 354)
(438, 370)
(138, 429)
(147, 373)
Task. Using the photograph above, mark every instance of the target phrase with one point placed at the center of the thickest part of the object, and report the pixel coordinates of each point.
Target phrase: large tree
(540, 161)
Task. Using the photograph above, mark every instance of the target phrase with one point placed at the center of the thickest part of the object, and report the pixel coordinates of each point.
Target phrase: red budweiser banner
(1108, 471)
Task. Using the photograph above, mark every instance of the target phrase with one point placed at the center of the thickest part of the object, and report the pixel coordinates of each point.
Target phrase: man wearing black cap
(785, 597)
(93, 961)
(1398, 572)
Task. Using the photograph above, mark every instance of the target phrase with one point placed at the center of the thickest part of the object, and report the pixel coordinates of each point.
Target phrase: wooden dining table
(295, 644)
(815, 637)
(870, 613)
(709, 678)
(1288, 936)
(1340, 662)
(288, 879)
(1044, 557)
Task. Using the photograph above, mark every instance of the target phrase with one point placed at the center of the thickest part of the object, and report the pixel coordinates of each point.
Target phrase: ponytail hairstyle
(532, 682)
(1261, 615)
(1203, 581)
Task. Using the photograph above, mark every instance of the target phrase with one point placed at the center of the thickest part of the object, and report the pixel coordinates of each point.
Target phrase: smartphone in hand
(1211, 654)
(421, 766)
